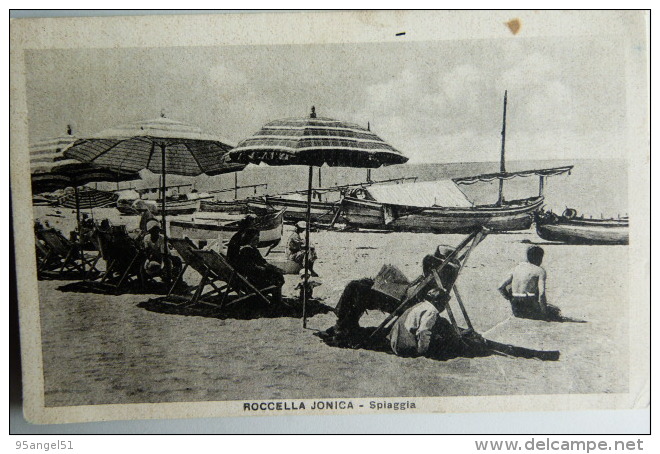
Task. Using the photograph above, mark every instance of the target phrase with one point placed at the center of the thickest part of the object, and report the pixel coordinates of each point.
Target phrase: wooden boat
(372, 214)
(215, 206)
(295, 209)
(322, 212)
(173, 207)
(571, 229)
(270, 228)
(441, 207)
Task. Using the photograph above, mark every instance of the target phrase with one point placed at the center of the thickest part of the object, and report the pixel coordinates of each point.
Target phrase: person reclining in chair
(359, 296)
(255, 268)
(154, 248)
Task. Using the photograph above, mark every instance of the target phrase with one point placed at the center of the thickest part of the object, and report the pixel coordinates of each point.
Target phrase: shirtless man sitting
(524, 288)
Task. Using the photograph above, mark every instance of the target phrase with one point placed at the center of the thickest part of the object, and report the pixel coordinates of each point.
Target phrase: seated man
(412, 332)
(254, 267)
(296, 248)
(421, 331)
(237, 241)
(359, 296)
(524, 288)
(153, 245)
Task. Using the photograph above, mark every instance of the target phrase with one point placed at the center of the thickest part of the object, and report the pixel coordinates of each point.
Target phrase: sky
(437, 101)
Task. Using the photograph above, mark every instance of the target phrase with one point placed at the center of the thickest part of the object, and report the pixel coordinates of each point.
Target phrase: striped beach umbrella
(88, 198)
(315, 141)
(161, 145)
(51, 170)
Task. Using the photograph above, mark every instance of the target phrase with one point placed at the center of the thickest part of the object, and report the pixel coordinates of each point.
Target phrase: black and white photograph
(331, 213)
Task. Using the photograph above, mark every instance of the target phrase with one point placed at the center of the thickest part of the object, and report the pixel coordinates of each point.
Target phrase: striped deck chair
(70, 255)
(219, 269)
(420, 286)
(187, 251)
(217, 273)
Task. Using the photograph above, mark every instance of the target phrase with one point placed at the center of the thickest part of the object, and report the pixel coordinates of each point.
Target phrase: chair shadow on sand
(447, 345)
(102, 288)
(249, 309)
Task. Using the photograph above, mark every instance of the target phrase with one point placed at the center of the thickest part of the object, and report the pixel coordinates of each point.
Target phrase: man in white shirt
(411, 334)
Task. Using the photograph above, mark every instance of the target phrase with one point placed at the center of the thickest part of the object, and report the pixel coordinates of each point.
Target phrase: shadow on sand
(446, 345)
(104, 288)
(553, 315)
(245, 310)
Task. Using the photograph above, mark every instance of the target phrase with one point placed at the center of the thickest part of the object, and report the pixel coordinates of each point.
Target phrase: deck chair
(420, 286)
(122, 255)
(217, 269)
(68, 255)
(187, 251)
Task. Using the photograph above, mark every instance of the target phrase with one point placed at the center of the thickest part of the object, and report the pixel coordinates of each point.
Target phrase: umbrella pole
(309, 217)
(166, 258)
(80, 242)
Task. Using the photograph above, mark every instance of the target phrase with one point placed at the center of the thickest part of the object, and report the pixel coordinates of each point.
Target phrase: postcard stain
(514, 25)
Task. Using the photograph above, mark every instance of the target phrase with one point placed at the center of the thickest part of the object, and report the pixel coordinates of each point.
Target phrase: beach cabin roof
(443, 193)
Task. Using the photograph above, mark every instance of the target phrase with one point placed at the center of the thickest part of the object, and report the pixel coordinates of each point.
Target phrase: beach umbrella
(315, 141)
(88, 198)
(51, 170)
(162, 145)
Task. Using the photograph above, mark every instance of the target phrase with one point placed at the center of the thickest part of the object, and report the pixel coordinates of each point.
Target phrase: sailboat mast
(500, 197)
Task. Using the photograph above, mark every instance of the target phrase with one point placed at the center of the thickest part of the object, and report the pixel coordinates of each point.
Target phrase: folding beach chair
(421, 286)
(214, 268)
(187, 251)
(219, 269)
(122, 255)
(66, 254)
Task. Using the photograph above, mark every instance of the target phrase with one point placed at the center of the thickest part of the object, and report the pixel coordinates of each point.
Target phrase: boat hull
(171, 209)
(296, 210)
(584, 232)
(233, 207)
(270, 230)
(374, 215)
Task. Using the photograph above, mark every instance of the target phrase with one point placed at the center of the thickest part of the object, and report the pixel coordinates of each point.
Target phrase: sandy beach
(107, 349)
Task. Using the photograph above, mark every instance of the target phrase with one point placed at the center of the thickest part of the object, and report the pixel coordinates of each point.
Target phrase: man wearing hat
(296, 248)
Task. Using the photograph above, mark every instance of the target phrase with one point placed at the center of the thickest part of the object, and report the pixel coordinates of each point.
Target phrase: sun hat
(152, 223)
(152, 267)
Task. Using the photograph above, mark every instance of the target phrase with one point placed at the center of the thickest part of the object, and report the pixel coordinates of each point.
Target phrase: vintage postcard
(331, 213)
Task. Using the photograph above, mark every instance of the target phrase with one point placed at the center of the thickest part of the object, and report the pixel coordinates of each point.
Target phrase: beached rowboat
(452, 216)
(571, 229)
(174, 208)
(216, 206)
(296, 210)
(270, 229)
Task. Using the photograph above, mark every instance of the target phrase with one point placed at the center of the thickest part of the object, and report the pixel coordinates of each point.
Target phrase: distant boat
(295, 209)
(441, 207)
(571, 229)
(174, 207)
(435, 206)
(215, 206)
(270, 228)
(322, 212)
